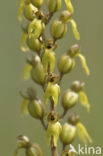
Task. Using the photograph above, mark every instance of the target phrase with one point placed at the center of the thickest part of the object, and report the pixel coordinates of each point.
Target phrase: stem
(60, 78)
(43, 124)
(63, 115)
(54, 150)
(52, 105)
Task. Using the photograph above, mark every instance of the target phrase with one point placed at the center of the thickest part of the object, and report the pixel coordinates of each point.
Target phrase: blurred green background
(89, 15)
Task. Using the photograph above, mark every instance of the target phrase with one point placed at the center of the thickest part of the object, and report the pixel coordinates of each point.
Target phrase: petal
(69, 6)
(83, 134)
(75, 30)
(84, 64)
(26, 72)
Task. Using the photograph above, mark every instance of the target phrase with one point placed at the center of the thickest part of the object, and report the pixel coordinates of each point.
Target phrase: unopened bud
(77, 86)
(34, 44)
(58, 29)
(29, 11)
(68, 134)
(65, 64)
(74, 50)
(65, 16)
(69, 99)
(53, 5)
(36, 109)
(37, 72)
(37, 3)
(74, 119)
(22, 141)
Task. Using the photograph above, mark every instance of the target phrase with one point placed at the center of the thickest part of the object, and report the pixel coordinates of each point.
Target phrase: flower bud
(65, 16)
(53, 5)
(68, 153)
(31, 152)
(69, 99)
(36, 109)
(36, 28)
(68, 134)
(53, 132)
(65, 64)
(74, 119)
(22, 141)
(37, 3)
(34, 44)
(37, 72)
(74, 50)
(48, 60)
(29, 12)
(34, 150)
(58, 29)
(77, 86)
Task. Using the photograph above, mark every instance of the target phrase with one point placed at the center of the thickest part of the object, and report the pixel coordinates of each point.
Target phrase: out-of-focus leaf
(24, 107)
(23, 45)
(84, 100)
(26, 72)
(20, 10)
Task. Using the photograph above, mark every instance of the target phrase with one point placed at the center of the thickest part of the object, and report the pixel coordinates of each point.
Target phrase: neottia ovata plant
(40, 68)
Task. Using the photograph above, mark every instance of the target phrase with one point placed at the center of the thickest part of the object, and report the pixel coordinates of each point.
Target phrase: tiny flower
(31, 149)
(66, 62)
(66, 17)
(37, 3)
(54, 128)
(48, 59)
(78, 87)
(81, 130)
(52, 92)
(58, 29)
(32, 105)
(53, 5)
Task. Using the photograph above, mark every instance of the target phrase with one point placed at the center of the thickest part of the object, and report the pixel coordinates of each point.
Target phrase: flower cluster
(40, 68)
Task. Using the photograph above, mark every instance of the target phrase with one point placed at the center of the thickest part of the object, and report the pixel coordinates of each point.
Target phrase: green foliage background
(88, 15)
